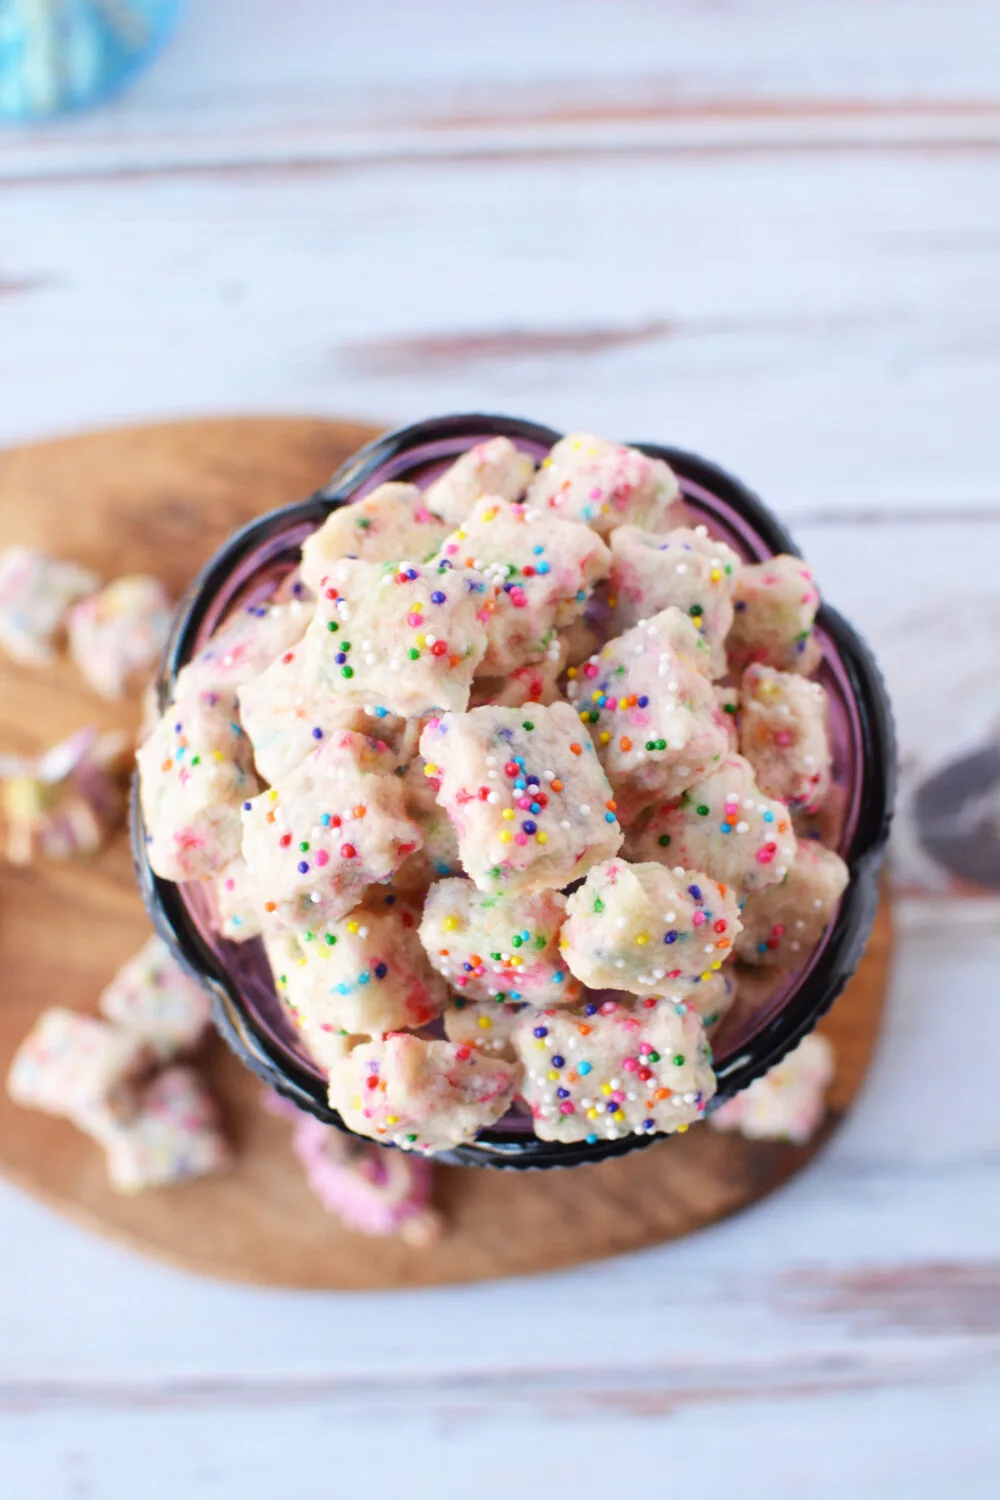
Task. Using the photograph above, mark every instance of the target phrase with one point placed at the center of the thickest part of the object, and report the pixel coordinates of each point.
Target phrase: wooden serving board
(161, 499)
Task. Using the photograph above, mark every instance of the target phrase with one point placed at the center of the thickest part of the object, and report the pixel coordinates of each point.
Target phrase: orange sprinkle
(557, 785)
(454, 660)
(166, 765)
(576, 749)
(612, 805)
(269, 906)
(723, 943)
(662, 1094)
(625, 742)
(443, 952)
(360, 810)
(269, 817)
(783, 826)
(585, 1030)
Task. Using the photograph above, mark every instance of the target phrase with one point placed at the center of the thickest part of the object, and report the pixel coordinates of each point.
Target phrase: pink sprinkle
(596, 492)
(451, 548)
(591, 669)
(699, 919)
(783, 738)
(764, 856)
(230, 884)
(568, 1107)
(630, 1064)
(618, 1096)
(520, 838)
(414, 619)
(524, 803)
(321, 858)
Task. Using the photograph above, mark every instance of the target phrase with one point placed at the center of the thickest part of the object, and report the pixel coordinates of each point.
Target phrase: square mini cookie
(152, 998)
(784, 735)
(392, 521)
(195, 771)
(69, 1063)
(498, 948)
(647, 928)
(523, 788)
(602, 484)
(608, 1069)
(421, 1095)
(404, 637)
(173, 1136)
(789, 1102)
(117, 637)
(723, 825)
(36, 592)
(684, 567)
(495, 467)
(649, 706)
(249, 641)
(544, 571)
(783, 924)
(775, 606)
(320, 837)
(363, 975)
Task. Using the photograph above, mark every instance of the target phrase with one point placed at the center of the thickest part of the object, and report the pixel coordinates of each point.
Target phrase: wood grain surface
(163, 500)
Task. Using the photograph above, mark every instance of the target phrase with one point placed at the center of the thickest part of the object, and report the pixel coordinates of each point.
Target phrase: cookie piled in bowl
(507, 784)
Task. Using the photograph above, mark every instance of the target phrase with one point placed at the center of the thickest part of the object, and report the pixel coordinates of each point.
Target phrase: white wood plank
(826, 326)
(247, 81)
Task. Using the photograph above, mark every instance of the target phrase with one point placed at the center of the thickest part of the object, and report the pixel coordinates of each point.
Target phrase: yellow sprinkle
(717, 964)
(681, 1129)
(591, 1114)
(612, 602)
(706, 975)
(585, 716)
(324, 952)
(217, 755)
(715, 574)
(515, 960)
(430, 770)
(605, 1088)
(354, 926)
(604, 736)
(421, 639)
(618, 1116)
(507, 814)
(552, 1075)
(505, 835)
(595, 695)
(392, 1119)
(543, 838)
(485, 1022)
(642, 938)
(450, 923)
(272, 796)
(461, 534)
(356, 1102)
(572, 672)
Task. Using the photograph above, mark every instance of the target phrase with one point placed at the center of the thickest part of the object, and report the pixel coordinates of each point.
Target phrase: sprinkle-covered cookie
(153, 999)
(317, 839)
(775, 606)
(420, 1095)
(173, 1137)
(495, 467)
(647, 928)
(525, 793)
(117, 637)
(393, 521)
(195, 771)
(249, 641)
(544, 571)
(67, 802)
(363, 975)
(498, 948)
(402, 637)
(609, 1069)
(784, 735)
(783, 924)
(686, 568)
(723, 825)
(648, 704)
(69, 1063)
(789, 1102)
(36, 592)
(604, 485)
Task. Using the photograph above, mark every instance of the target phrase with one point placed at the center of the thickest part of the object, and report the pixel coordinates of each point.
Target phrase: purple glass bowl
(247, 570)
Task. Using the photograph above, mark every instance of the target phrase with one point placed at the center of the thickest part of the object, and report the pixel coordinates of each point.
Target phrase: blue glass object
(59, 55)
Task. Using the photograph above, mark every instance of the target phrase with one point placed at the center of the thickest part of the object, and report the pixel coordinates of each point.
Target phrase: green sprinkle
(660, 745)
(664, 840)
(307, 937)
(332, 625)
(196, 761)
(598, 905)
(347, 671)
(495, 957)
(654, 1057)
(528, 725)
(702, 810)
(345, 645)
(330, 940)
(696, 609)
(515, 942)
(304, 846)
(729, 708)
(679, 1060)
(413, 654)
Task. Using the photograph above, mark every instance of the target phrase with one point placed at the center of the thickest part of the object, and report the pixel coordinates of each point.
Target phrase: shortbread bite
(65, 803)
(784, 735)
(402, 637)
(285, 720)
(237, 902)
(686, 568)
(783, 924)
(723, 825)
(605, 1070)
(495, 467)
(544, 571)
(789, 1102)
(321, 836)
(604, 485)
(775, 606)
(523, 788)
(650, 709)
(36, 592)
(393, 521)
(498, 948)
(363, 975)
(153, 999)
(249, 641)
(195, 771)
(117, 637)
(173, 1137)
(645, 928)
(69, 1063)
(421, 1095)
(487, 1025)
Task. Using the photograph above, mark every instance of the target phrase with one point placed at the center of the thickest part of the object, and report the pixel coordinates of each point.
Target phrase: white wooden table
(767, 231)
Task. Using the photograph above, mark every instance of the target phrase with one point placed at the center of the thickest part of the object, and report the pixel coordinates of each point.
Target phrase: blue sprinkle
(380, 713)
(529, 826)
(535, 807)
(437, 597)
(543, 568)
(585, 1068)
(303, 867)
(725, 827)
(514, 994)
(541, 1031)
(246, 807)
(363, 978)
(538, 549)
(591, 1140)
(317, 734)
(670, 937)
(611, 1107)
(769, 817)
(695, 891)
(643, 701)
(380, 971)
(609, 817)
(557, 1060)
(590, 1010)
(562, 1093)
(325, 820)
(649, 1124)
